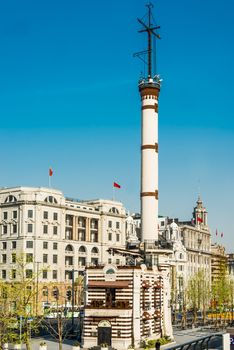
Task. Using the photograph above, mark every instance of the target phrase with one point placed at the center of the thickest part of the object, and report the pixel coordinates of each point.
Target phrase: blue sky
(69, 100)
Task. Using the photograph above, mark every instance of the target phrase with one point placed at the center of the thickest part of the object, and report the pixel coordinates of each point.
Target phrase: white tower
(149, 161)
(149, 90)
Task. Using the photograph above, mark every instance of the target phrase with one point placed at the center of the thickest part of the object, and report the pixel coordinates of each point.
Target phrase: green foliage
(149, 344)
(17, 303)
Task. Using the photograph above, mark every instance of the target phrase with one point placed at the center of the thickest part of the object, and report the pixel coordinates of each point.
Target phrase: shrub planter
(43, 346)
(17, 346)
(75, 347)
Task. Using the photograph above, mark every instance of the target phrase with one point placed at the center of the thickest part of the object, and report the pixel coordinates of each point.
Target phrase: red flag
(199, 219)
(116, 185)
(50, 172)
(222, 234)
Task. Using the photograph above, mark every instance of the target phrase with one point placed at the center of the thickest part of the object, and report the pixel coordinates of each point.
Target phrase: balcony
(119, 308)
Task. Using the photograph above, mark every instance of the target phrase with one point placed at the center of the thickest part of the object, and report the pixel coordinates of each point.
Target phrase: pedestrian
(157, 345)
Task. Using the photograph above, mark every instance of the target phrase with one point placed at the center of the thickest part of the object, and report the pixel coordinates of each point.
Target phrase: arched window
(69, 248)
(10, 199)
(181, 256)
(82, 249)
(94, 250)
(51, 199)
(114, 210)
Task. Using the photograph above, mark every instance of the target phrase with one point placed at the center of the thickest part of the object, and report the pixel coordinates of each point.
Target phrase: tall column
(149, 161)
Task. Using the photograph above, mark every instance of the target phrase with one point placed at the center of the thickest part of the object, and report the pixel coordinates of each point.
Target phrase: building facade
(219, 262)
(125, 305)
(57, 235)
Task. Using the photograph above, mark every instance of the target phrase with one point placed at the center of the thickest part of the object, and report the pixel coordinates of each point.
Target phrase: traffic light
(69, 294)
(56, 294)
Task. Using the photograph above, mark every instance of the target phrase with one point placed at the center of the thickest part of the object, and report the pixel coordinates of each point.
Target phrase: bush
(149, 344)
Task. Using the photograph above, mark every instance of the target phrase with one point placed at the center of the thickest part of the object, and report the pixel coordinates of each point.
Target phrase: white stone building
(57, 234)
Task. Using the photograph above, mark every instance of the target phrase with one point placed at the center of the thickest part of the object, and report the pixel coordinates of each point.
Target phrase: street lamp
(73, 289)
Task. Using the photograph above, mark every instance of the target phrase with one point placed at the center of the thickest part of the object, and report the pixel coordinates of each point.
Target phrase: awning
(108, 284)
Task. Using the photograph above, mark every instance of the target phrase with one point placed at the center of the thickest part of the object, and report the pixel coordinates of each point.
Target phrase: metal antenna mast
(150, 29)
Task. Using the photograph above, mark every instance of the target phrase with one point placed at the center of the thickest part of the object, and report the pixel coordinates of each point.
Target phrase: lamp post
(73, 295)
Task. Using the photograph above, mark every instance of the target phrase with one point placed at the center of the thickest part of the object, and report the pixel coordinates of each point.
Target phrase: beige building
(57, 235)
(197, 241)
(219, 262)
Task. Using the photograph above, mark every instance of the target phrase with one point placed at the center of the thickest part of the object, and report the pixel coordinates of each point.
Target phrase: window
(55, 274)
(13, 274)
(10, 199)
(13, 258)
(69, 248)
(45, 215)
(81, 261)
(94, 261)
(30, 214)
(94, 250)
(45, 258)
(45, 229)
(29, 273)
(29, 257)
(5, 215)
(55, 216)
(82, 249)
(5, 229)
(81, 235)
(45, 245)
(29, 244)
(69, 260)
(117, 225)
(4, 258)
(109, 224)
(3, 274)
(14, 214)
(55, 246)
(109, 236)
(55, 230)
(117, 237)
(44, 274)
(4, 245)
(94, 236)
(30, 228)
(117, 261)
(51, 199)
(114, 210)
(109, 261)
(14, 228)
(13, 244)
(55, 259)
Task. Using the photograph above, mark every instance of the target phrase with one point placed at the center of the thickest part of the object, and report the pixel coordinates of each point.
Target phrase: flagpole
(113, 193)
(49, 181)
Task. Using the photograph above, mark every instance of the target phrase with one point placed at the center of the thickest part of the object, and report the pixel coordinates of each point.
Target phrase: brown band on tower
(155, 107)
(154, 147)
(154, 91)
(150, 194)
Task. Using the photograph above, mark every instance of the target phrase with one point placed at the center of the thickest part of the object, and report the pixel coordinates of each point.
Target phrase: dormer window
(10, 199)
(51, 199)
(114, 210)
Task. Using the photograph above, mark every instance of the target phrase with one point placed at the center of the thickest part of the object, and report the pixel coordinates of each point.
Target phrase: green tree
(20, 295)
(198, 294)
